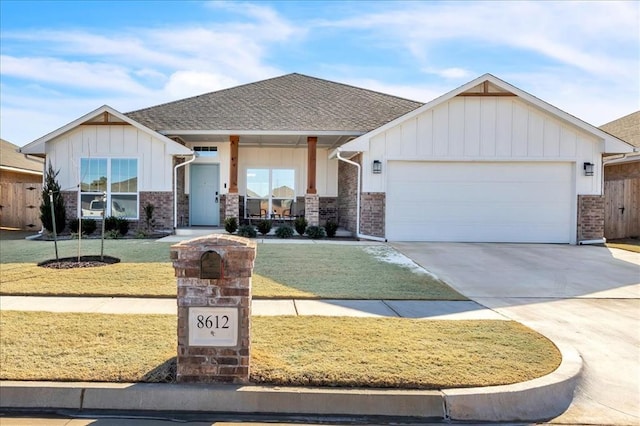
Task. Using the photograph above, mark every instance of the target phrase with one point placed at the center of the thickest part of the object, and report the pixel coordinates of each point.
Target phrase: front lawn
(281, 271)
(310, 351)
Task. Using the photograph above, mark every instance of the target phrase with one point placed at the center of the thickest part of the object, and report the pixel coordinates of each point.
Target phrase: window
(270, 192)
(206, 151)
(110, 180)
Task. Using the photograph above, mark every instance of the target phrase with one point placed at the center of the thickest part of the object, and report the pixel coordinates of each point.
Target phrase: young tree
(51, 184)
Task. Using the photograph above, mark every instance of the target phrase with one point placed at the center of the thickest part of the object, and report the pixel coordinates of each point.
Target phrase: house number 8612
(212, 321)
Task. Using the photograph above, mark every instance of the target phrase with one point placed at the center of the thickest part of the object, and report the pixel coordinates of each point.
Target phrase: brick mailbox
(214, 308)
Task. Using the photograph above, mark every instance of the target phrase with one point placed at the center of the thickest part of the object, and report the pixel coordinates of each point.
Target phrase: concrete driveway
(585, 296)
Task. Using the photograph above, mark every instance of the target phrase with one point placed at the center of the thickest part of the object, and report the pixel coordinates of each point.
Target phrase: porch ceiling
(328, 140)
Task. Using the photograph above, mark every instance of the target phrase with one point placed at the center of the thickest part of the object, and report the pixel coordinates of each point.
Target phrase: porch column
(311, 199)
(232, 200)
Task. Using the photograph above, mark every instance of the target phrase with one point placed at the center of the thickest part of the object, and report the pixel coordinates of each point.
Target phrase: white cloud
(183, 84)
(450, 73)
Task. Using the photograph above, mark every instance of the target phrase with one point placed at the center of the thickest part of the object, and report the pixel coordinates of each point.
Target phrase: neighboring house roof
(102, 115)
(292, 102)
(12, 160)
(626, 128)
(492, 85)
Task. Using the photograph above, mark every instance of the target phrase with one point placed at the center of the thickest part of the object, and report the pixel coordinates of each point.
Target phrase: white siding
(484, 129)
(121, 141)
(289, 158)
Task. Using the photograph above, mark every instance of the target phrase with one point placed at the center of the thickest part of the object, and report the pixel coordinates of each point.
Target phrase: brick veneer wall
(70, 204)
(328, 209)
(590, 217)
(183, 199)
(163, 212)
(372, 207)
(622, 171)
(347, 191)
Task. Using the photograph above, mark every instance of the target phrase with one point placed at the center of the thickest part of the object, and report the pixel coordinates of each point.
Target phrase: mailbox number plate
(213, 327)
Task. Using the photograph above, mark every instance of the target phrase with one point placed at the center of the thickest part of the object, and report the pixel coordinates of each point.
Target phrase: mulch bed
(83, 262)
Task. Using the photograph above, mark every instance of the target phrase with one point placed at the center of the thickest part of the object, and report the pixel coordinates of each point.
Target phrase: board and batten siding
(290, 158)
(116, 141)
(484, 129)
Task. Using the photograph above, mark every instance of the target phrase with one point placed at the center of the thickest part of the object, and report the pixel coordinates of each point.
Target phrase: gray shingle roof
(292, 102)
(10, 157)
(626, 128)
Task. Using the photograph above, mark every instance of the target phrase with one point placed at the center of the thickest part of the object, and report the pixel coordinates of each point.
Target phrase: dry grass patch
(121, 279)
(627, 244)
(318, 351)
(84, 347)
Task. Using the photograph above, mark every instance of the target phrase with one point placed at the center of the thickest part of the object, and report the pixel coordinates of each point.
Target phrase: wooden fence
(20, 205)
(622, 208)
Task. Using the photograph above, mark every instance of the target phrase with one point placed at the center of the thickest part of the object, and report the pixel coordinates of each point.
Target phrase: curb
(539, 399)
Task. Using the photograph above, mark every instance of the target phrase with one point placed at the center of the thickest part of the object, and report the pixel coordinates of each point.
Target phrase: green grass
(281, 271)
(318, 351)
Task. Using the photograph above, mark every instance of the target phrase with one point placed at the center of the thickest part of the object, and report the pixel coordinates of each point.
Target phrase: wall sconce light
(588, 169)
(377, 167)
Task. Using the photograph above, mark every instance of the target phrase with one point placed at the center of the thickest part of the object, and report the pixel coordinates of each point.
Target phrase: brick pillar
(232, 206)
(312, 209)
(590, 217)
(214, 308)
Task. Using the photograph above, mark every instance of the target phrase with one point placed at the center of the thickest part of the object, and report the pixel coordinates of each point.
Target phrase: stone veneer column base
(590, 217)
(312, 209)
(232, 206)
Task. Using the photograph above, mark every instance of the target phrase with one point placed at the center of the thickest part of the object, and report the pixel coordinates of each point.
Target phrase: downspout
(358, 234)
(175, 189)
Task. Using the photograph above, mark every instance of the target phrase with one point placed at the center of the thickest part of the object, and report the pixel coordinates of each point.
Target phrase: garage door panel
(501, 202)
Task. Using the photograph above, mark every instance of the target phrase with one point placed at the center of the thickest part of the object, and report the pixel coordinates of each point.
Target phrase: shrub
(148, 216)
(231, 224)
(114, 234)
(247, 231)
(264, 226)
(119, 224)
(284, 231)
(88, 226)
(331, 227)
(301, 225)
(316, 232)
(51, 184)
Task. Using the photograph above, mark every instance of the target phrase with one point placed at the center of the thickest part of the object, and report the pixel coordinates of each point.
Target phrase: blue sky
(62, 59)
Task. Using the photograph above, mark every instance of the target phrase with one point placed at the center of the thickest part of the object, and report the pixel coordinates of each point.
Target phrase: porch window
(118, 178)
(270, 193)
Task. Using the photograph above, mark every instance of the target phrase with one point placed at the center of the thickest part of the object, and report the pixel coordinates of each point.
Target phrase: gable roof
(493, 86)
(626, 128)
(292, 102)
(99, 116)
(11, 159)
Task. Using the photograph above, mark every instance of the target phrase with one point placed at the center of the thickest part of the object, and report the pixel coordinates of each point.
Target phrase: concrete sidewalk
(419, 309)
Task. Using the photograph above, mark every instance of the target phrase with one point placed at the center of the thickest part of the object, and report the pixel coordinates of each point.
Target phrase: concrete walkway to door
(584, 296)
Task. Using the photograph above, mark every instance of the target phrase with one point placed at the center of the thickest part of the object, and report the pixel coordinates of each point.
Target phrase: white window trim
(109, 193)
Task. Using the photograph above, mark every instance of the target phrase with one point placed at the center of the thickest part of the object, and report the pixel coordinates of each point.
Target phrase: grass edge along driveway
(330, 271)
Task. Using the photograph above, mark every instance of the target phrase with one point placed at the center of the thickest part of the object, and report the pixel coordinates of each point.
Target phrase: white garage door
(479, 202)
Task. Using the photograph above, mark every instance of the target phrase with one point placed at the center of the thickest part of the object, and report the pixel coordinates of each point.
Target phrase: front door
(204, 201)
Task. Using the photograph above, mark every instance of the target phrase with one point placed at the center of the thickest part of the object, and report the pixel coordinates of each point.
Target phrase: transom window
(113, 178)
(270, 193)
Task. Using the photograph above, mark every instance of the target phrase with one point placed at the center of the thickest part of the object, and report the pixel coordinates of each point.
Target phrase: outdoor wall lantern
(377, 167)
(588, 169)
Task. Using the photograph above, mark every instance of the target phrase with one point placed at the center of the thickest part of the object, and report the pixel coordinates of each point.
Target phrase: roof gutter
(175, 187)
(358, 234)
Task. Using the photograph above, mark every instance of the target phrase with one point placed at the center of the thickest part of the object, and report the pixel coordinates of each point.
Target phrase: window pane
(124, 175)
(124, 206)
(258, 183)
(91, 205)
(93, 174)
(283, 181)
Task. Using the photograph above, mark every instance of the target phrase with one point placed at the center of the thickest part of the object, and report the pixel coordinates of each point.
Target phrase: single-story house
(622, 181)
(484, 162)
(20, 187)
